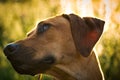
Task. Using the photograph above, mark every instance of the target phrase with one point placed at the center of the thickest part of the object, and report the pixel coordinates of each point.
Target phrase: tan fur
(58, 41)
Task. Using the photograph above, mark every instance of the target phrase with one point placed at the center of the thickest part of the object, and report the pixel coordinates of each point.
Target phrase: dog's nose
(10, 49)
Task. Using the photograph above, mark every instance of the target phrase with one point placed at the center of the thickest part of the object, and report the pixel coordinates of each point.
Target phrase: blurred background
(17, 17)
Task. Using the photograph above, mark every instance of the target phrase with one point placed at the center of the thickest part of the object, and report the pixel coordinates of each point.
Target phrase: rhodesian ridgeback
(61, 46)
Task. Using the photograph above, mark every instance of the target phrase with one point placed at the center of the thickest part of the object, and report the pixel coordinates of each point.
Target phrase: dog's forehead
(58, 20)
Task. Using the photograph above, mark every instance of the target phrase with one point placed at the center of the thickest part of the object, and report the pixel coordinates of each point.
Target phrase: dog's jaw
(90, 70)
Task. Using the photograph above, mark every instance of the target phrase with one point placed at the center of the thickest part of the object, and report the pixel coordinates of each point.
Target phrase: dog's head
(54, 41)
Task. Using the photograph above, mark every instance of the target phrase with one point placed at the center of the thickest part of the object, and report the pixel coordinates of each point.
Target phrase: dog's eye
(43, 28)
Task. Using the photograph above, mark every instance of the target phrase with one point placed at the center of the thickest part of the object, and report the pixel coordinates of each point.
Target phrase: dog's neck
(82, 69)
(59, 74)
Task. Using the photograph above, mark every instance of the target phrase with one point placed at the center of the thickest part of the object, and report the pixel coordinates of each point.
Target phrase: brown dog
(60, 46)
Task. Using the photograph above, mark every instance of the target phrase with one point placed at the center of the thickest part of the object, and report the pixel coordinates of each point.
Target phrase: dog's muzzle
(23, 61)
(20, 57)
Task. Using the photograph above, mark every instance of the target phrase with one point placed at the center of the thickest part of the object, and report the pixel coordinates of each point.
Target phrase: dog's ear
(86, 32)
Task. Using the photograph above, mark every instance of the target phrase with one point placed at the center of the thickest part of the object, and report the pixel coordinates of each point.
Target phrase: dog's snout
(10, 49)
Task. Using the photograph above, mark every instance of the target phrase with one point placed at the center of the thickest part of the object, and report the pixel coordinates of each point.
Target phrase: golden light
(84, 8)
(66, 6)
(80, 7)
(105, 10)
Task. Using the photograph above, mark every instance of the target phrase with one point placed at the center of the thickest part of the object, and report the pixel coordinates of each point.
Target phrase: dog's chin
(24, 71)
(30, 69)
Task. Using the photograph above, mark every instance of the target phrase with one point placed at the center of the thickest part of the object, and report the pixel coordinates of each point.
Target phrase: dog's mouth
(23, 69)
(22, 66)
(30, 68)
(23, 61)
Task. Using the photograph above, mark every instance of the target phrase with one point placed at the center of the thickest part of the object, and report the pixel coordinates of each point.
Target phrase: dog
(61, 46)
